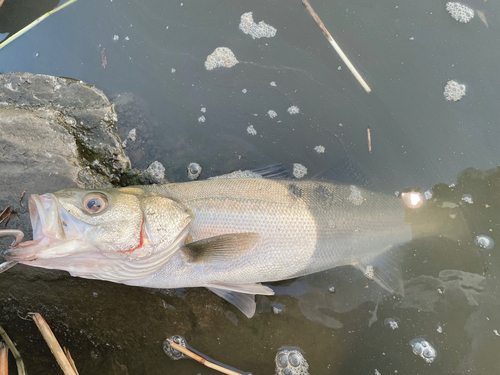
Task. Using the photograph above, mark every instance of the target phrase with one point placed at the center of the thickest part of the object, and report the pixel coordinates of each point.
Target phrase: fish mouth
(53, 230)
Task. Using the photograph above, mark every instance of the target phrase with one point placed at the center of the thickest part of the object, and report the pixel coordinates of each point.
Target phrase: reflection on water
(408, 51)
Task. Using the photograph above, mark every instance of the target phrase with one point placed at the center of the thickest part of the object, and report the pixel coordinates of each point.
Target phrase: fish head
(111, 234)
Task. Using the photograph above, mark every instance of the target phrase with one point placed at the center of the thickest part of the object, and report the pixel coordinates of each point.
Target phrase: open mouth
(52, 227)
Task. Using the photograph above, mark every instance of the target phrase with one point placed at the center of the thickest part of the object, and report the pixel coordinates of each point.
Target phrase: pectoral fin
(385, 269)
(240, 295)
(220, 248)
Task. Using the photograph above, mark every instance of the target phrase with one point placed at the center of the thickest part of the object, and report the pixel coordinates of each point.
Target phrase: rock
(67, 106)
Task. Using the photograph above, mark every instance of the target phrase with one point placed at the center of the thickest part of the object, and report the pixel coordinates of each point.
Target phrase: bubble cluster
(221, 57)
(291, 362)
(424, 349)
(171, 352)
(293, 110)
(453, 91)
(369, 272)
(193, 171)
(355, 197)
(155, 172)
(202, 118)
(278, 308)
(391, 323)
(460, 12)
(272, 83)
(256, 31)
(319, 149)
(251, 130)
(272, 113)
(132, 135)
(299, 170)
(467, 198)
(484, 242)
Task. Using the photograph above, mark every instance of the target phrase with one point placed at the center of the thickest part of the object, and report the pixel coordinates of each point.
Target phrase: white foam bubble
(221, 57)
(293, 110)
(460, 12)
(319, 149)
(251, 130)
(299, 170)
(453, 91)
(256, 31)
(272, 113)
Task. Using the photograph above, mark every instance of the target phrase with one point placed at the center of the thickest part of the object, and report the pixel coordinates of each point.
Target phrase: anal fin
(385, 269)
(240, 295)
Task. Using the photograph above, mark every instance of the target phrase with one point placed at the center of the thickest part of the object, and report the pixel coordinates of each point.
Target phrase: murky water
(407, 52)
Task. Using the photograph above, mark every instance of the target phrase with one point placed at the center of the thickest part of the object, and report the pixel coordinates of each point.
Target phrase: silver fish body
(303, 227)
(227, 235)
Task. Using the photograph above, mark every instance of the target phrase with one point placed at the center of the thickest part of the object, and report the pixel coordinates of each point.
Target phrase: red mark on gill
(141, 240)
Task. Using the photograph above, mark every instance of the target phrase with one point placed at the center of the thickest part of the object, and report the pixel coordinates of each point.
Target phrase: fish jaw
(55, 233)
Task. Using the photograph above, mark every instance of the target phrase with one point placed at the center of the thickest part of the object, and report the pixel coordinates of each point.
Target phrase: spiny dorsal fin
(221, 247)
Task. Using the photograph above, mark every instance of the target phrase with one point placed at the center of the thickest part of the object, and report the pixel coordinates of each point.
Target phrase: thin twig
(22, 196)
(8, 219)
(369, 134)
(54, 346)
(202, 360)
(34, 23)
(4, 356)
(15, 353)
(3, 212)
(336, 46)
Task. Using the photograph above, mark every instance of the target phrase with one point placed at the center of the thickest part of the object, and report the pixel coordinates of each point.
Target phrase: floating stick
(34, 23)
(15, 353)
(336, 46)
(54, 346)
(204, 360)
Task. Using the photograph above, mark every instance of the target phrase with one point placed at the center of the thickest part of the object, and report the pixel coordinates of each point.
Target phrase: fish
(229, 235)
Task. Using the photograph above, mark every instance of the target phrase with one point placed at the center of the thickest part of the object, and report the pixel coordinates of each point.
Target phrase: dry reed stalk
(54, 346)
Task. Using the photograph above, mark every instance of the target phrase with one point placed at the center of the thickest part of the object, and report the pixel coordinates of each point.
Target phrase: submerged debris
(221, 57)
(460, 12)
(453, 91)
(256, 31)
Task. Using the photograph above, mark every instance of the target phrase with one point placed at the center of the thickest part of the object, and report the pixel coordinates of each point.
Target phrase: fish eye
(95, 203)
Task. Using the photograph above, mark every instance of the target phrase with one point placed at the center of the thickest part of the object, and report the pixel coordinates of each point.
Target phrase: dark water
(406, 51)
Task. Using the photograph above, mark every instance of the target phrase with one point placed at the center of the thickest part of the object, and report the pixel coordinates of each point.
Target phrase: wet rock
(80, 118)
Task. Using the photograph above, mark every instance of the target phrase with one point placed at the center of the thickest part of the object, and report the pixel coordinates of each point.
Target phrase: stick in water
(54, 346)
(34, 23)
(205, 360)
(336, 46)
